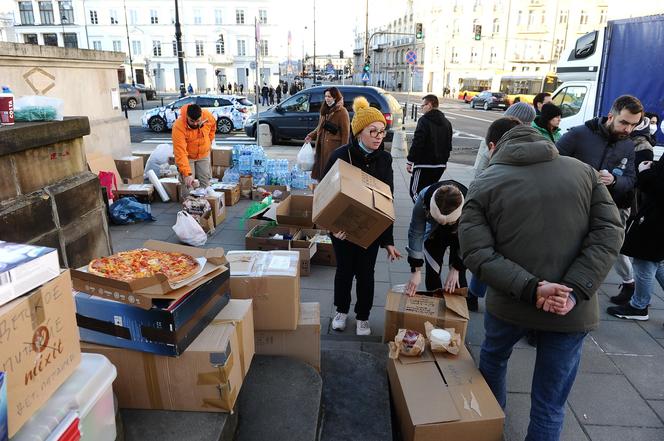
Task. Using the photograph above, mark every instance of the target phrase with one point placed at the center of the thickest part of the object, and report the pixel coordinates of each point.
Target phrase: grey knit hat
(524, 112)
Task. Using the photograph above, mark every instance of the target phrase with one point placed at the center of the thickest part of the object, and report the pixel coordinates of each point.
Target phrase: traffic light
(341, 54)
(478, 32)
(367, 64)
(418, 31)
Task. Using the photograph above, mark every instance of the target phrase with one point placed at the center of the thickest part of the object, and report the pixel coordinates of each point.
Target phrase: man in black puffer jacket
(605, 145)
(431, 147)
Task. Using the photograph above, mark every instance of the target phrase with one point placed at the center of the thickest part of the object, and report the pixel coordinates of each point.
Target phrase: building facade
(218, 38)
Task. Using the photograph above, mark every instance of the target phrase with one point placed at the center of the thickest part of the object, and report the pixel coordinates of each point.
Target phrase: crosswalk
(230, 139)
(456, 134)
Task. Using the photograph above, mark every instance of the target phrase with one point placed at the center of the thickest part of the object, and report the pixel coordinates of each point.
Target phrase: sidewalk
(619, 390)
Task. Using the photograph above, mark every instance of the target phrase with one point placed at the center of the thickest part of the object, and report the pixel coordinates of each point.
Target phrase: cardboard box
(218, 209)
(133, 181)
(307, 250)
(130, 166)
(240, 312)
(260, 238)
(144, 190)
(443, 397)
(302, 343)
(222, 156)
(257, 195)
(231, 193)
(207, 377)
(324, 250)
(4, 424)
(24, 268)
(106, 163)
(39, 347)
(140, 292)
(250, 224)
(350, 200)
(206, 221)
(296, 210)
(168, 328)
(173, 188)
(144, 155)
(246, 184)
(403, 312)
(272, 280)
(218, 171)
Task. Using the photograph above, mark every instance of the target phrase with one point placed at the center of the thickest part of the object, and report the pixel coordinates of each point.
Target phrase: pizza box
(140, 292)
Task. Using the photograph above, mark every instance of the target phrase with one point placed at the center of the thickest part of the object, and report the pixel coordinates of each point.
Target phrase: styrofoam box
(89, 393)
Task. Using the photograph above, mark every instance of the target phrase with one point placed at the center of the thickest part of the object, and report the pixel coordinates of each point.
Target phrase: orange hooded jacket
(191, 143)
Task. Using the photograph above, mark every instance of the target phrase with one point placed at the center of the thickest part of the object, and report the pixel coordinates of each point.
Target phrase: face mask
(653, 128)
(330, 101)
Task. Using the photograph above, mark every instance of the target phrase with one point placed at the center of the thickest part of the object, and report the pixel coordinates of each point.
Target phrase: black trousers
(432, 277)
(354, 262)
(422, 178)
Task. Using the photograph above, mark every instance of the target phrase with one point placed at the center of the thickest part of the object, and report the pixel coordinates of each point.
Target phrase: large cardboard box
(173, 188)
(168, 328)
(130, 166)
(307, 249)
(350, 200)
(246, 184)
(106, 163)
(403, 312)
(302, 343)
(136, 180)
(39, 347)
(231, 193)
(261, 238)
(296, 210)
(240, 313)
(218, 171)
(272, 280)
(207, 377)
(443, 397)
(324, 248)
(218, 209)
(222, 156)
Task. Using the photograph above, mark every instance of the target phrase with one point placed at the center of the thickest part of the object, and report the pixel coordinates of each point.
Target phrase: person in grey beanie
(521, 111)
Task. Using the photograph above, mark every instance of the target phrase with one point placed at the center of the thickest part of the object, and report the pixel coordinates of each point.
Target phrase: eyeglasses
(377, 133)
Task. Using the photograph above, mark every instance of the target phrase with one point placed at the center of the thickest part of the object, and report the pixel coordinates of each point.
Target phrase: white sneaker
(363, 327)
(339, 321)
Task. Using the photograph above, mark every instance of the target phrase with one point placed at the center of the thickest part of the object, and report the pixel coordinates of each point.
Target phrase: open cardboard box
(259, 195)
(140, 292)
(260, 238)
(231, 192)
(106, 163)
(296, 210)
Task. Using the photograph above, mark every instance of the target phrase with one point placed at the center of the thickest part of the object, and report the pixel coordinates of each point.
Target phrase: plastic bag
(128, 211)
(107, 180)
(38, 108)
(188, 230)
(306, 157)
(157, 158)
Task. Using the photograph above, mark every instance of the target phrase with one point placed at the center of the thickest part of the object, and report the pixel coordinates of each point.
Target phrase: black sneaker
(626, 293)
(471, 302)
(628, 312)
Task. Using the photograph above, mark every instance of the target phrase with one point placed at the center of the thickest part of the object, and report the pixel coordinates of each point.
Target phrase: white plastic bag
(306, 157)
(157, 158)
(38, 108)
(189, 231)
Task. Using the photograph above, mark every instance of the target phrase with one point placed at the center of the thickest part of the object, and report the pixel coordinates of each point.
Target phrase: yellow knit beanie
(364, 115)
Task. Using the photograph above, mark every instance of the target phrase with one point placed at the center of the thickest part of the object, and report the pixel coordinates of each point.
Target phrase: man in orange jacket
(193, 135)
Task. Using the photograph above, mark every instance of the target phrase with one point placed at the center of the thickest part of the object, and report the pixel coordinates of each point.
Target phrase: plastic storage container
(86, 397)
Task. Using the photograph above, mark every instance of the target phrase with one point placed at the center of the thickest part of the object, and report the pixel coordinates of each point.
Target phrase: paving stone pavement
(619, 391)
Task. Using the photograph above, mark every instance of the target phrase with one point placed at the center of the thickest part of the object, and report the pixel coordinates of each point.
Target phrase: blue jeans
(558, 357)
(645, 271)
(476, 287)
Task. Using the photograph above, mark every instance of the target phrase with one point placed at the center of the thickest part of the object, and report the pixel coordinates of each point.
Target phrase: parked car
(467, 95)
(150, 93)
(129, 95)
(298, 115)
(230, 111)
(490, 100)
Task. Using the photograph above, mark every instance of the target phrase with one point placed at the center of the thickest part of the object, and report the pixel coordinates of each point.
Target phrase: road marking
(472, 117)
(457, 134)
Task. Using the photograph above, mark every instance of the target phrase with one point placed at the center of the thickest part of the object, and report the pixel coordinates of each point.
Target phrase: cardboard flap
(425, 357)
(216, 256)
(383, 204)
(457, 304)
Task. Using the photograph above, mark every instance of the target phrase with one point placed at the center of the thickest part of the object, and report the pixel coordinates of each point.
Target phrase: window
(492, 56)
(27, 14)
(156, 48)
(30, 39)
(71, 40)
(477, 5)
(217, 16)
(96, 45)
(117, 46)
(455, 28)
(175, 48)
(154, 17)
(584, 17)
(220, 47)
(602, 16)
(213, 102)
(114, 16)
(562, 18)
(454, 56)
(264, 49)
(531, 17)
(298, 103)
(200, 50)
(239, 16)
(241, 48)
(50, 40)
(172, 16)
(570, 99)
(473, 55)
(542, 16)
(46, 12)
(66, 12)
(496, 26)
(558, 48)
(133, 17)
(136, 47)
(181, 102)
(519, 16)
(93, 17)
(262, 16)
(197, 16)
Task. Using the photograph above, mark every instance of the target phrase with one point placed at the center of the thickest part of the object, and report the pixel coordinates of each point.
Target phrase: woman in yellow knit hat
(366, 152)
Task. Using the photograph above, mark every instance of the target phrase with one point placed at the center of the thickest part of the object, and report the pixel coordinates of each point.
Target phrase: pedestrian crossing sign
(366, 77)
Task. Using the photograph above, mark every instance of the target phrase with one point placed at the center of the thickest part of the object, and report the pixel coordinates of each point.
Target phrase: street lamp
(178, 43)
(131, 63)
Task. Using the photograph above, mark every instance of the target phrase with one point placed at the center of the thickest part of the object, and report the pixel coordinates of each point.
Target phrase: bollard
(162, 101)
(405, 113)
(142, 103)
(414, 112)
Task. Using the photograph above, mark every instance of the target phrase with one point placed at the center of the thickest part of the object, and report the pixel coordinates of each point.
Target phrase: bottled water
(231, 176)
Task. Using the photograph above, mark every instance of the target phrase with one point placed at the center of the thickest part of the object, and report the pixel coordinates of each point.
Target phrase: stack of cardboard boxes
(130, 169)
(222, 160)
(130, 165)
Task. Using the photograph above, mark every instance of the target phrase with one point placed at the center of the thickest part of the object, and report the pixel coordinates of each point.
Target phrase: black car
(150, 93)
(295, 117)
(490, 100)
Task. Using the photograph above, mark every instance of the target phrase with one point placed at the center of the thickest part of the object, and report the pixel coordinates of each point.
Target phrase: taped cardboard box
(140, 292)
(207, 377)
(302, 344)
(262, 238)
(240, 312)
(443, 397)
(231, 193)
(222, 156)
(278, 192)
(168, 328)
(272, 280)
(130, 166)
(296, 210)
(350, 200)
(39, 347)
(403, 312)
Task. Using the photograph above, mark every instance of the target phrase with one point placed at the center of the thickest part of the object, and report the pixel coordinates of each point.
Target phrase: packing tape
(152, 381)
(240, 336)
(219, 376)
(433, 308)
(227, 397)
